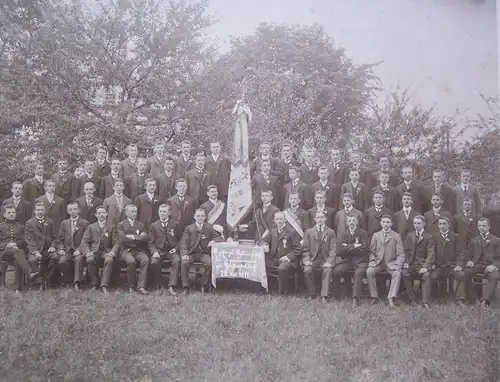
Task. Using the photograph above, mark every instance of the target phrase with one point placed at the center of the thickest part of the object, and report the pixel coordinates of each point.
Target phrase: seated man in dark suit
(318, 252)
(282, 249)
(12, 246)
(353, 253)
(68, 246)
(420, 255)
(163, 238)
(132, 238)
(195, 245)
(24, 210)
(100, 247)
(40, 237)
(88, 203)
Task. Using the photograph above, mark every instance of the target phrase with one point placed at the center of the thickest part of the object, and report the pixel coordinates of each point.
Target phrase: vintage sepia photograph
(269, 190)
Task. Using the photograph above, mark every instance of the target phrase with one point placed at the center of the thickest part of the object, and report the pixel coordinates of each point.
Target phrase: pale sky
(444, 50)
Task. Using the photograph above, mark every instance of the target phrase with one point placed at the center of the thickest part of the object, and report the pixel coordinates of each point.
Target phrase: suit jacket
(221, 220)
(332, 192)
(183, 213)
(155, 166)
(220, 170)
(24, 210)
(364, 175)
(301, 217)
(67, 242)
(417, 196)
(255, 166)
(392, 201)
(193, 240)
(182, 166)
(394, 178)
(338, 175)
(361, 195)
(87, 212)
(466, 227)
(134, 186)
(447, 194)
(448, 252)
(484, 252)
(347, 252)
(263, 221)
(147, 209)
(401, 225)
(115, 214)
(421, 251)
(11, 233)
(106, 187)
(341, 220)
(56, 210)
(165, 186)
(127, 168)
(103, 169)
(140, 233)
(93, 238)
(39, 236)
(308, 175)
(197, 184)
(371, 219)
(80, 183)
(472, 193)
(304, 192)
(163, 239)
(64, 185)
(282, 167)
(330, 216)
(32, 190)
(431, 221)
(387, 248)
(321, 248)
(259, 184)
(286, 243)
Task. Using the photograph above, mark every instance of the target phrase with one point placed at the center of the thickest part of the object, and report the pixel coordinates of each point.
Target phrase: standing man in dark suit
(107, 183)
(391, 194)
(466, 190)
(184, 162)
(298, 187)
(420, 256)
(432, 216)
(12, 247)
(100, 247)
(163, 239)
(182, 206)
(165, 182)
(135, 185)
(409, 185)
(215, 211)
(386, 253)
(340, 223)
(286, 163)
(24, 210)
(373, 214)
(264, 181)
(68, 246)
(282, 250)
(483, 256)
(64, 181)
(40, 237)
(115, 204)
(352, 256)
(385, 166)
(357, 164)
(133, 238)
(33, 187)
(88, 203)
(265, 155)
(318, 252)
(358, 190)
(219, 166)
(54, 205)
(198, 180)
(466, 223)
(129, 165)
(338, 169)
(155, 162)
(403, 219)
(332, 191)
(195, 245)
(88, 176)
(308, 172)
(439, 186)
(147, 204)
(102, 165)
(330, 213)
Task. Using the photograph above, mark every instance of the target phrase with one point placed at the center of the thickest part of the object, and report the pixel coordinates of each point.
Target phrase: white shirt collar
(445, 233)
(463, 185)
(150, 196)
(132, 222)
(39, 178)
(50, 197)
(199, 226)
(348, 210)
(421, 232)
(436, 210)
(215, 157)
(318, 208)
(406, 209)
(213, 201)
(352, 232)
(323, 183)
(101, 224)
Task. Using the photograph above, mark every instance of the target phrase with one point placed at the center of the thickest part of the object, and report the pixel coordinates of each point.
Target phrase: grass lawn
(63, 335)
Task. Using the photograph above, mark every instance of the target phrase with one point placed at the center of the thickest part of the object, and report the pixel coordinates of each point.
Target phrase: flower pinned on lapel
(185, 202)
(138, 232)
(75, 228)
(284, 241)
(155, 200)
(203, 237)
(45, 224)
(470, 219)
(52, 201)
(327, 188)
(344, 244)
(487, 241)
(357, 189)
(91, 205)
(106, 234)
(171, 232)
(324, 239)
(446, 240)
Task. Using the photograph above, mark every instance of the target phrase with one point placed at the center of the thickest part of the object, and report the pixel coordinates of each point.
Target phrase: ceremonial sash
(264, 223)
(215, 212)
(290, 219)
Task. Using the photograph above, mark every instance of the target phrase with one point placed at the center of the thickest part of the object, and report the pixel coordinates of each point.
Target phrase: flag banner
(239, 200)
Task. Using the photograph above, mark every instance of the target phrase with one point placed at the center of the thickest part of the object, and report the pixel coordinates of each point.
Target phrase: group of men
(338, 220)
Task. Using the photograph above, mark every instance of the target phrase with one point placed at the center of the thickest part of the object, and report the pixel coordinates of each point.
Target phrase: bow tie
(40, 221)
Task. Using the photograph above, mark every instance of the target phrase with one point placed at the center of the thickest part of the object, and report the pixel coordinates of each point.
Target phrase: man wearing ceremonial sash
(263, 219)
(295, 216)
(215, 209)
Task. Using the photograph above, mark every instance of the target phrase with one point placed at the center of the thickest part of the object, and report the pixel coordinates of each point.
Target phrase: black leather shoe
(142, 290)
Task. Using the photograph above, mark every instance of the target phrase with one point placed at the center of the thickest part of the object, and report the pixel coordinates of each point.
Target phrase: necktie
(465, 189)
(73, 223)
(407, 214)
